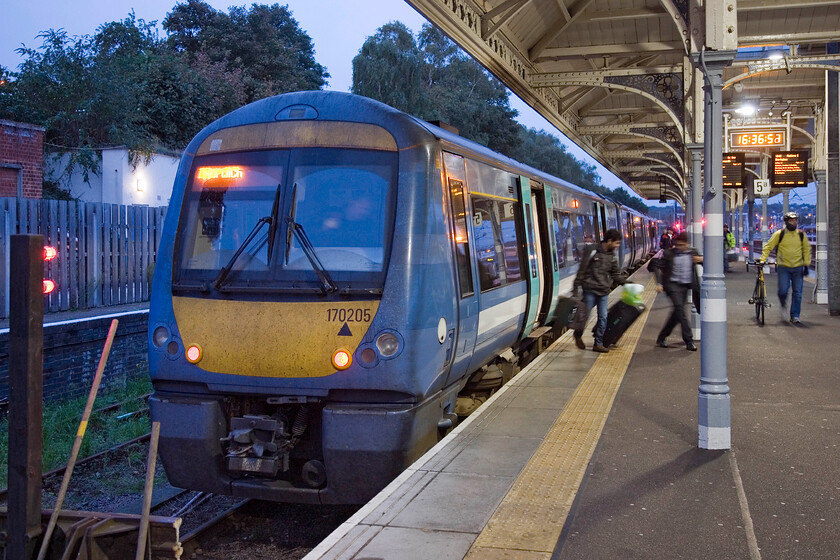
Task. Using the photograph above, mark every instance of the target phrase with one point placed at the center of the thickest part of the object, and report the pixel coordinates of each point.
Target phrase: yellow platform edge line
(532, 514)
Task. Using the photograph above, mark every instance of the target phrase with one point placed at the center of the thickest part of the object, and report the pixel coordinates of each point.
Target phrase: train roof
(336, 105)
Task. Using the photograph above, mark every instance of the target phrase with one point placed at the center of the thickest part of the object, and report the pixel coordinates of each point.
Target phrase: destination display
(758, 138)
(790, 169)
(733, 170)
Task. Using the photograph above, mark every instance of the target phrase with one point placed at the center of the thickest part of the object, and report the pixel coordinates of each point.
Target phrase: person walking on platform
(667, 239)
(793, 259)
(598, 273)
(728, 245)
(675, 275)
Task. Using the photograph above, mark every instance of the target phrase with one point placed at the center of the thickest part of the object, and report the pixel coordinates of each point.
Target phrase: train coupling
(258, 445)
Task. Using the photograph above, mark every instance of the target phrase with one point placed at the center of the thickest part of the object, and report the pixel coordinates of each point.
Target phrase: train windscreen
(295, 219)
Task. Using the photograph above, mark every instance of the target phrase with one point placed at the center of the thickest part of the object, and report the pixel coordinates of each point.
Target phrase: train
(338, 283)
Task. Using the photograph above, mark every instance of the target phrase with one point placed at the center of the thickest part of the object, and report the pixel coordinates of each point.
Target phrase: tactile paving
(531, 516)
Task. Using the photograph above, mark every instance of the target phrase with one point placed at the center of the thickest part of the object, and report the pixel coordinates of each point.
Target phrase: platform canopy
(617, 77)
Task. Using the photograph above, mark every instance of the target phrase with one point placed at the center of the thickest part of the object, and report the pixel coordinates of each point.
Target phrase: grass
(105, 430)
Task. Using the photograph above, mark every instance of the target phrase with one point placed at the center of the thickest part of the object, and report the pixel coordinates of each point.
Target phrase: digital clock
(758, 138)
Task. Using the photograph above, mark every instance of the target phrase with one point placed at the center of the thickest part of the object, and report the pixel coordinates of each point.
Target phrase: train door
(467, 294)
(533, 271)
(550, 268)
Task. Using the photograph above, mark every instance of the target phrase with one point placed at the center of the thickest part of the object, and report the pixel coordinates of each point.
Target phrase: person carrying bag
(597, 275)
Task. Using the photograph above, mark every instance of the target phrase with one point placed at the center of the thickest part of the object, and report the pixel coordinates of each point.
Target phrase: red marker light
(50, 253)
(193, 353)
(341, 359)
(575, 204)
(49, 286)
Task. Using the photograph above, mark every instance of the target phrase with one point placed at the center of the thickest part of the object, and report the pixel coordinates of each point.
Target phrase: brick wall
(21, 145)
(72, 351)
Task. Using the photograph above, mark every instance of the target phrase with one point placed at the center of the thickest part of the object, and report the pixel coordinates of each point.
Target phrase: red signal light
(49, 254)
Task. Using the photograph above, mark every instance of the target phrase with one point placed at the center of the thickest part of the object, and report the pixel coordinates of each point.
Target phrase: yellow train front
(332, 273)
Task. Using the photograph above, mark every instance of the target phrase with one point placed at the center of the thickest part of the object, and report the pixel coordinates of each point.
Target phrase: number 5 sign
(761, 187)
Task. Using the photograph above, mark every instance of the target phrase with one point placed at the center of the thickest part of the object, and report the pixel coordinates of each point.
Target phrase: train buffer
(587, 455)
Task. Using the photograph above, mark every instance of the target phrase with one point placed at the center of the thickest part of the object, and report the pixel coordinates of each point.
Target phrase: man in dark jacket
(675, 274)
(597, 275)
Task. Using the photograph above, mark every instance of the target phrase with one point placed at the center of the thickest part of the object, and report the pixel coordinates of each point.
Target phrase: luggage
(619, 319)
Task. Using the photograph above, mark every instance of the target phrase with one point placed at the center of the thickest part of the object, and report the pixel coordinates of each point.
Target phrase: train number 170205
(357, 315)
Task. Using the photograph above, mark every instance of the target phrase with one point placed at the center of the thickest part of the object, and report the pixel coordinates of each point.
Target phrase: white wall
(119, 182)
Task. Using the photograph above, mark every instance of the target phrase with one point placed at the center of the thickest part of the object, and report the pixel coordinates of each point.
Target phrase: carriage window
(462, 240)
(488, 244)
(578, 241)
(588, 230)
(495, 239)
(561, 237)
(513, 263)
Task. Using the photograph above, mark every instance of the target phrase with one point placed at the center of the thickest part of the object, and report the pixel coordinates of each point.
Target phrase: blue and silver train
(332, 274)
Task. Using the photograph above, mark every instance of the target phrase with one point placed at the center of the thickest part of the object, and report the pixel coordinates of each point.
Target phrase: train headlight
(341, 359)
(388, 344)
(160, 336)
(194, 353)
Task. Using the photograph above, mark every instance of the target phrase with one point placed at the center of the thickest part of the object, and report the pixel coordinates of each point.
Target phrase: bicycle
(759, 297)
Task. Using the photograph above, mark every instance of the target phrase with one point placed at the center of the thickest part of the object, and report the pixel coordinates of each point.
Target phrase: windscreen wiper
(223, 273)
(272, 229)
(326, 282)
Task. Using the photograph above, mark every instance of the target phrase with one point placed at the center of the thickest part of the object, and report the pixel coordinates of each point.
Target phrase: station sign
(790, 169)
(758, 138)
(761, 187)
(733, 170)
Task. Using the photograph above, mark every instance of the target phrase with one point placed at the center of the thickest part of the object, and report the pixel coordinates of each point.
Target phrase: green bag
(632, 294)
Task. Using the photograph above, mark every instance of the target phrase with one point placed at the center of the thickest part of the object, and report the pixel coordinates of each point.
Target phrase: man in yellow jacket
(793, 257)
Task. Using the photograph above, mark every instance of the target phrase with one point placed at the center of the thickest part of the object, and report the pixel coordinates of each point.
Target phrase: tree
(127, 86)
(263, 45)
(433, 79)
(390, 69)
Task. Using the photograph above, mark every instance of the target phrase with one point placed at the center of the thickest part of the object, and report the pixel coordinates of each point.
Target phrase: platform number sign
(761, 187)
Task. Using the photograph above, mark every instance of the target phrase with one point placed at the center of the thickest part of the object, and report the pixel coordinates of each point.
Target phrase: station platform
(595, 456)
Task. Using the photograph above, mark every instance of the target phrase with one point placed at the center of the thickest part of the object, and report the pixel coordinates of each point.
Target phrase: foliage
(52, 191)
(434, 80)
(105, 430)
(125, 85)
(430, 77)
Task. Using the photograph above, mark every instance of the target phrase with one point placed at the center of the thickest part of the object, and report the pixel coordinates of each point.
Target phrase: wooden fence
(106, 252)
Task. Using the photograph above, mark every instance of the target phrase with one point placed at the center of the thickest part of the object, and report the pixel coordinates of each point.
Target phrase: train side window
(577, 237)
(462, 239)
(507, 217)
(588, 229)
(561, 237)
(488, 244)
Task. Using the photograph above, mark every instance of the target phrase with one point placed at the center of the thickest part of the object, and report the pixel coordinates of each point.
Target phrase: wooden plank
(107, 274)
(96, 253)
(48, 225)
(23, 216)
(87, 278)
(121, 267)
(66, 249)
(131, 246)
(146, 253)
(75, 262)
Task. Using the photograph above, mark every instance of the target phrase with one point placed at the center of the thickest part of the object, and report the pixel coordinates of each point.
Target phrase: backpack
(801, 235)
